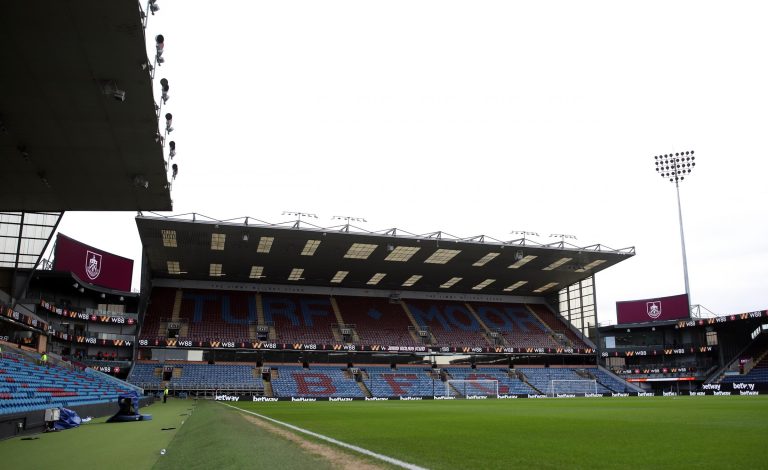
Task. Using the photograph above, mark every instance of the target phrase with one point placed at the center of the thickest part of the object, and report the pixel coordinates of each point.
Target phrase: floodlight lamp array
(675, 166)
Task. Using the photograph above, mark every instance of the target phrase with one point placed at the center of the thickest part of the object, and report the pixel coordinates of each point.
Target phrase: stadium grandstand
(324, 312)
(290, 311)
(299, 312)
(692, 355)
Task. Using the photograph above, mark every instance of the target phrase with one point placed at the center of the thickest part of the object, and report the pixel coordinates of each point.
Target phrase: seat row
(196, 376)
(228, 315)
(26, 386)
(379, 381)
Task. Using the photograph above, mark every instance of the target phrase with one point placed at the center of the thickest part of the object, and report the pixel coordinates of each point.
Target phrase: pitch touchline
(391, 460)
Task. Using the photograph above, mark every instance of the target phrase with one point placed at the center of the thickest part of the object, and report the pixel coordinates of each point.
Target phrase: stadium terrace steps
(517, 325)
(300, 319)
(364, 389)
(176, 305)
(612, 382)
(260, 310)
(450, 323)
(756, 350)
(214, 316)
(556, 324)
(336, 311)
(758, 373)
(376, 321)
(479, 320)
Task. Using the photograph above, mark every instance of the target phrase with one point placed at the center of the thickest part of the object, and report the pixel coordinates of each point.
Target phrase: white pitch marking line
(393, 461)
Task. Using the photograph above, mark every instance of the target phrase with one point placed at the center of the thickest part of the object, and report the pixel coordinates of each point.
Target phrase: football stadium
(251, 343)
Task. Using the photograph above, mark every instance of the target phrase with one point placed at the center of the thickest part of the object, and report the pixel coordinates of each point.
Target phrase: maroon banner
(92, 264)
(673, 307)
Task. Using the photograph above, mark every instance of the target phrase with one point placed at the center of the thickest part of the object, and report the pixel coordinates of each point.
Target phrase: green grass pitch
(659, 432)
(625, 433)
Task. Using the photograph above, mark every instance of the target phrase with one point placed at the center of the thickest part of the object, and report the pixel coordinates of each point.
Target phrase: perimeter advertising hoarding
(93, 265)
(673, 307)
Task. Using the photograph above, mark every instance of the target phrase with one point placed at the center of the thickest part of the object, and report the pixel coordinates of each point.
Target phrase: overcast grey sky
(479, 118)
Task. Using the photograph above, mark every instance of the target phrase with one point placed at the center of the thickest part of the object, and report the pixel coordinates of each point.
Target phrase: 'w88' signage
(67, 313)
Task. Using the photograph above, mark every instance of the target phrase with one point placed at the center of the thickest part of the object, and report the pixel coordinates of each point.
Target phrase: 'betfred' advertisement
(93, 265)
(673, 307)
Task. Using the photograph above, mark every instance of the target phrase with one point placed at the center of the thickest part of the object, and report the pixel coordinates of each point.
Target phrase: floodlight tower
(675, 168)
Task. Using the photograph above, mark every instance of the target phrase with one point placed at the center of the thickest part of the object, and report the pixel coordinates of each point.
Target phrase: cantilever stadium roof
(238, 251)
(66, 142)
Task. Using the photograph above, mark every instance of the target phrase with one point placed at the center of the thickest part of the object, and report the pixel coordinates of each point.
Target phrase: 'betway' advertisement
(737, 389)
(673, 307)
(93, 265)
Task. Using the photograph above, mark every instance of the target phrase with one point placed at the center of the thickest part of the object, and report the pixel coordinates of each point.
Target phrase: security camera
(164, 87)
(119, 95)
(159, 45)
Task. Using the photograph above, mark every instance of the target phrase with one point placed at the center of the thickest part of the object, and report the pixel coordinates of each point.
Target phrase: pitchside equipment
(578, 387)
(472, 388)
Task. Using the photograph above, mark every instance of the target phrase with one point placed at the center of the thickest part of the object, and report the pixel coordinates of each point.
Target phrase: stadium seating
(211, 315)
(517, 325)
(295, 381)
(26, 386)
(758, 374)
(507, 384)
(218, 315)
(300, 319)
(208, 314)
(413, 381)
(541, 378)
(160, 306)
(609, 381)
(197, 376)
(450, 323)
(377, 321)
(557, 324)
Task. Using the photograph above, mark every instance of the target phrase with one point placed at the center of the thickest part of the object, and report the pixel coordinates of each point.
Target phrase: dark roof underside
(66, 142)
(210, 251)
